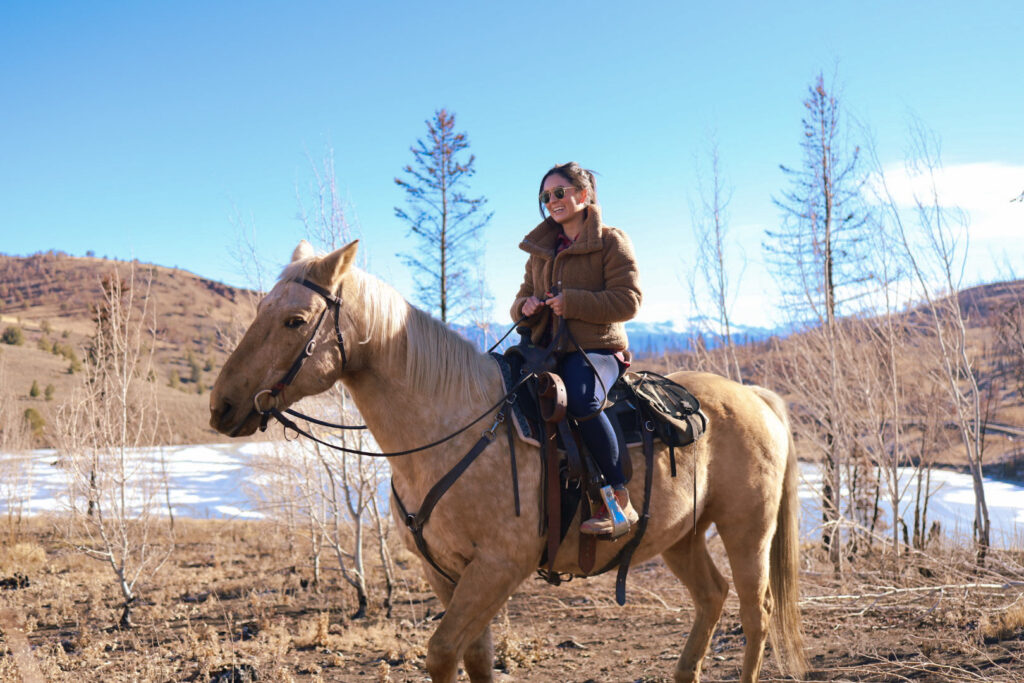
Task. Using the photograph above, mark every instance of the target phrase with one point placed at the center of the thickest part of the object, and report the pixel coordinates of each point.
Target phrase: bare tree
(935, 240)
(816, 252)
(1010, 337)
(115, 485)
(15, 441)
(710, 278)
(447, 223)
(344, 499)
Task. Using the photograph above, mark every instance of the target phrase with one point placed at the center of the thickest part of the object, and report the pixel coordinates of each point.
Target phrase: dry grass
(236, 598)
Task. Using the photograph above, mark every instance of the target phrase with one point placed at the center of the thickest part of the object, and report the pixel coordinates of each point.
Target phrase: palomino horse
(415, 381)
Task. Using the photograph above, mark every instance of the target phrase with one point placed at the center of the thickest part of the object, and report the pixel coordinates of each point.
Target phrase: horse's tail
(785, 629)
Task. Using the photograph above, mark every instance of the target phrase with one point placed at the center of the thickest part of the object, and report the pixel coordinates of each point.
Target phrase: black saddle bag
(674, 411)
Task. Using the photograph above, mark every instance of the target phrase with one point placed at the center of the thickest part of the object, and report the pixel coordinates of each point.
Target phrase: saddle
(640, 408)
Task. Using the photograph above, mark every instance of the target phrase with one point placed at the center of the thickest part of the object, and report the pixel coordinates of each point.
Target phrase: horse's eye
(294, 323)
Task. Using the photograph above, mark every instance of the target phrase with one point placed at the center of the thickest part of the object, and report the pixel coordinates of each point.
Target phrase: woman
(581, 274)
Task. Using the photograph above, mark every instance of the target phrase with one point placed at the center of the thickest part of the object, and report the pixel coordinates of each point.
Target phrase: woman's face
(570, 206)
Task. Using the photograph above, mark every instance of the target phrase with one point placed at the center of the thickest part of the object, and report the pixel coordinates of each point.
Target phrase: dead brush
(24, 557)
(316, 634)
(511, 651)
(1005, 625)
(385, 640)
(202, 646)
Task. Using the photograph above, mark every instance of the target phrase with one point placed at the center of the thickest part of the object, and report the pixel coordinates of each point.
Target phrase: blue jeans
(585, 396)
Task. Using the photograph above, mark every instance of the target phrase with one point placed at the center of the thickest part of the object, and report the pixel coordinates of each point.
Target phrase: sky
(162, 131)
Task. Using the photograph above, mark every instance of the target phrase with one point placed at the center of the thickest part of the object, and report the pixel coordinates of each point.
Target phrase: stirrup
(619, 524)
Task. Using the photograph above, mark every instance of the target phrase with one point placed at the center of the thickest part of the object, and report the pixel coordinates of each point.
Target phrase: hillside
(48, 297)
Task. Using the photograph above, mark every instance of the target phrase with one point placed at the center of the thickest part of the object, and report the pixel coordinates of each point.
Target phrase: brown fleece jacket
(597, 276)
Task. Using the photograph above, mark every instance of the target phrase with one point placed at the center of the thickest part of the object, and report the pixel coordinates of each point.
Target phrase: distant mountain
(645, 338)
(656, 338)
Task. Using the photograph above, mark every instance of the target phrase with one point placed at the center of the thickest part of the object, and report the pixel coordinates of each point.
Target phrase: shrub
(35, 421)
(34, 391)
(13, 336)
(48, 392)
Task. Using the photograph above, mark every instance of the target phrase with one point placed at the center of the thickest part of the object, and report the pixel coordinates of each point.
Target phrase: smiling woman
(581, 286)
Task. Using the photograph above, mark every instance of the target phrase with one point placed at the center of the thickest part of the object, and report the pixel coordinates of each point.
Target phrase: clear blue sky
(138, 130)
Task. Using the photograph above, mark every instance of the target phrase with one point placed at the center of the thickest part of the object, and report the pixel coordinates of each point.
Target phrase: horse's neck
(401, 416)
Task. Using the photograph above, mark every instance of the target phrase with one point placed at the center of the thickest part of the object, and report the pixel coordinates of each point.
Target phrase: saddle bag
(674, 411)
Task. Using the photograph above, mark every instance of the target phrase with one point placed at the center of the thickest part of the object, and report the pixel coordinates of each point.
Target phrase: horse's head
(286, 318)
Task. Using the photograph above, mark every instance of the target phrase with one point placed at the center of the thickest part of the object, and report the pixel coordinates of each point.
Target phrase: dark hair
(579, 177)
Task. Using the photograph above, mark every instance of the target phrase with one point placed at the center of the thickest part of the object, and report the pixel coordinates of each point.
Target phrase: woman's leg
(585, 396)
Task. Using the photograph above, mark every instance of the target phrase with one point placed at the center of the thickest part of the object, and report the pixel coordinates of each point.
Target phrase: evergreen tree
(818, 253)
(447, 223)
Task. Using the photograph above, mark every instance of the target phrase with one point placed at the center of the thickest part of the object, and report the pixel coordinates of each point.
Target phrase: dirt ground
(235, 603)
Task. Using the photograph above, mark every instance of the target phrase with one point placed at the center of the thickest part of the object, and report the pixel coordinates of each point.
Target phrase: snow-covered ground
(223, 481)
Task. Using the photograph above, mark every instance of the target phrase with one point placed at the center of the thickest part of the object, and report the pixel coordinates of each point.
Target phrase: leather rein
(334, 304)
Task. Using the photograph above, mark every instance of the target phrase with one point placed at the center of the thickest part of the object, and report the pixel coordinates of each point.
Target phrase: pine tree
(817, 254)
(447, 223)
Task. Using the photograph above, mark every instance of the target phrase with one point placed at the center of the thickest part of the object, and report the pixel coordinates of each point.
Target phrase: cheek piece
(333, 304)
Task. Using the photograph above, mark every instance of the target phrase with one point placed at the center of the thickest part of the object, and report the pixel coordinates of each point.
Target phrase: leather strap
(553, 493)
(627, 551)
(416, 521)
(512, 461)
(588, 542)
(573, 459)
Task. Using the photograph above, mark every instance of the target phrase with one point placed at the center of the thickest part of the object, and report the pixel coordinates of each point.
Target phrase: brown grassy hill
(994, 318)
(49, 297)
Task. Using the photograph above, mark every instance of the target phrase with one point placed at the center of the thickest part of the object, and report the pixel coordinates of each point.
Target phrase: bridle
(333, 304)
(415, 521)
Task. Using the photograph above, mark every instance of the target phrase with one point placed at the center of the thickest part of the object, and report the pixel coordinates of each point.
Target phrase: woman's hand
(531, 305)
(555, 304)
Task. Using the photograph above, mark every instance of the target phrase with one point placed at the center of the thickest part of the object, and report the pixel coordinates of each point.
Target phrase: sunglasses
(558, 192)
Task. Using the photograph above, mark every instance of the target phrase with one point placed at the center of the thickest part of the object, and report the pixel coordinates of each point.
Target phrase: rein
(414, 521)
(334, 304)
(499, 418)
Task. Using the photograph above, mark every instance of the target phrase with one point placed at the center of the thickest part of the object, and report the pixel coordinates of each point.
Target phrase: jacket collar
(541, 240)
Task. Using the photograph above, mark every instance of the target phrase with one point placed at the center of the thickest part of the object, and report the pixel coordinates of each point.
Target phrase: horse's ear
(303, 251)
(332, 267)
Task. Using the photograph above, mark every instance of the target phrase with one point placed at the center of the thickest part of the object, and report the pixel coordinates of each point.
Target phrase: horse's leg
(465, 629)
(479, 656)
(690, 562)
(749, 560)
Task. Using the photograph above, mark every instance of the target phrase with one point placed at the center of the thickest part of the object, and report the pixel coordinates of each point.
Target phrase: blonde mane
(438, 361)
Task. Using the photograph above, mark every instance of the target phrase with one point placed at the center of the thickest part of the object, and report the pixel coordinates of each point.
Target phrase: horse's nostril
(220, 413)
